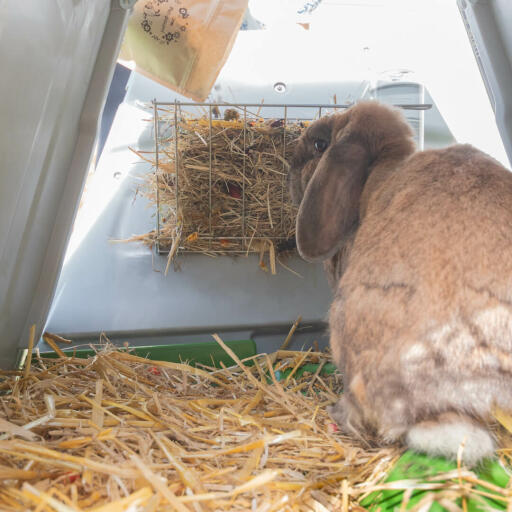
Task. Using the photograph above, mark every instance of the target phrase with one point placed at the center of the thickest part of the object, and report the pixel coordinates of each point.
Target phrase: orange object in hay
(73, 477)
(224, 242)
(193, 237)
(154, 370)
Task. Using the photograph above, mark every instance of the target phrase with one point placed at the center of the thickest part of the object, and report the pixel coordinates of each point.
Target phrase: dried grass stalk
(118, 432)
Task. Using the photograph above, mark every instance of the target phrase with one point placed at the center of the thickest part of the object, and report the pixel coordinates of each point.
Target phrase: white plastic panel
(56, 59)
(121, 287)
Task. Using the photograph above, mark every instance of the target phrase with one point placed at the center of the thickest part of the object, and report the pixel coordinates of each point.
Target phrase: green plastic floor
(421, 467)
(209, 354)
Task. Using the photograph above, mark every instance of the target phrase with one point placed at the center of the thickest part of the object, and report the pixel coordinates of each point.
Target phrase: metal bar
(243, 176)
(210, 175)
(284, 165)
(176, 159)
(218, 251)
(411, 106)
(319, 112)
(214, 237)
(155, 117)
(240, 105)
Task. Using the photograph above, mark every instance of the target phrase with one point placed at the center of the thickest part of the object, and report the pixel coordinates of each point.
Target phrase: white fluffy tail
(445, 435)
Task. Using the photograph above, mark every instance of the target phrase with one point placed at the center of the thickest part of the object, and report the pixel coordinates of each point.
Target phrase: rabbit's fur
(418, 249)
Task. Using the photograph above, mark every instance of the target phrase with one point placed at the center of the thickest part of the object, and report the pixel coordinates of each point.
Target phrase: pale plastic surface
(56, 66)
(122, 286)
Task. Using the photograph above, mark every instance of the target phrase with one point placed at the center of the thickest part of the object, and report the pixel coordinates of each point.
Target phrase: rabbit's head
(330, 167)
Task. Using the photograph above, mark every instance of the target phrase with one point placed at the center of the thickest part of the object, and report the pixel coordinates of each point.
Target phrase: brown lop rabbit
(418, 249)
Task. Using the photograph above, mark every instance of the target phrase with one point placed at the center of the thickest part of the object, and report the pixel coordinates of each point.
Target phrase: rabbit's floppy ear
(330, 206)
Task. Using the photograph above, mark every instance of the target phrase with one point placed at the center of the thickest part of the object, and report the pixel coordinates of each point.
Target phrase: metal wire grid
(316, 111)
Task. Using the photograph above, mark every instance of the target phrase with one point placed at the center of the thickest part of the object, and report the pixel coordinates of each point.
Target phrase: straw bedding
(117, 432)
(245, 207)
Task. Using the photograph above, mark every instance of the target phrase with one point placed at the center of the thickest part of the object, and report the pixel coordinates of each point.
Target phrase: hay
(117, 432)
(243, 206)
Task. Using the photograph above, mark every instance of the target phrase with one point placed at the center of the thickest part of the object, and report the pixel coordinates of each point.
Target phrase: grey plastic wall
(121, 289)
(57, 61)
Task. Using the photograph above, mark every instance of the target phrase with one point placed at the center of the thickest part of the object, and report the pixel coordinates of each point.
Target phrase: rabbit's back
(443, 220)
(423, 312)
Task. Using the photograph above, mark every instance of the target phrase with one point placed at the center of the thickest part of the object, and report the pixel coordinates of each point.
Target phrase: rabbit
(417, 246)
